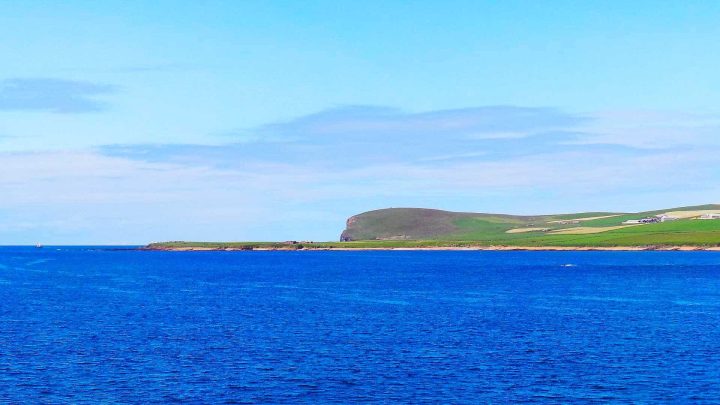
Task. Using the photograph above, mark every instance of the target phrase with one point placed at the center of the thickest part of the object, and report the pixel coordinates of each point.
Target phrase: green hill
(581, 229)
(427, 228)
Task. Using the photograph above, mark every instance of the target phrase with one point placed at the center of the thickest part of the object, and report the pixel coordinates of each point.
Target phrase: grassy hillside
(426, 228)
(422, 224)
(582, 229)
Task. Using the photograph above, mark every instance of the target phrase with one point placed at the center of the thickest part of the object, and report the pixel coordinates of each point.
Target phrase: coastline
(682, 248)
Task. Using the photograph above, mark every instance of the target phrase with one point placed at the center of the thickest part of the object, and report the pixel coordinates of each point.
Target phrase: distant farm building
(710, 216)
(648, 220)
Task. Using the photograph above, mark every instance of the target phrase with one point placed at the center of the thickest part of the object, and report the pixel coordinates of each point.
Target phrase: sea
(117, 325)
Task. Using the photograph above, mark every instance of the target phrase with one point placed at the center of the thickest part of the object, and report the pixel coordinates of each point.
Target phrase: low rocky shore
(441, 248)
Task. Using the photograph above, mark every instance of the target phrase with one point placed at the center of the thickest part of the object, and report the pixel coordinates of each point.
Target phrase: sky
(127, 122)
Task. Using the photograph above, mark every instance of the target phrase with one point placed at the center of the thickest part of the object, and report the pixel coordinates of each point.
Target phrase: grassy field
(417, 228)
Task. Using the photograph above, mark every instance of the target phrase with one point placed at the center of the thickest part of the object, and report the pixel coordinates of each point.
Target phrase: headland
(681, 229)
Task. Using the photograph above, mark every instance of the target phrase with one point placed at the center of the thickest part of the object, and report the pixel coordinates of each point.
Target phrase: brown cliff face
(346, 235)
(399, 224)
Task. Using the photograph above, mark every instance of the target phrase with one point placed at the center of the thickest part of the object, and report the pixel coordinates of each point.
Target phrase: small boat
(39, 246)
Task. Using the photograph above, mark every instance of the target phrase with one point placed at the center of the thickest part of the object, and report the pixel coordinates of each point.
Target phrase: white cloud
(655, 129)
(292, 190)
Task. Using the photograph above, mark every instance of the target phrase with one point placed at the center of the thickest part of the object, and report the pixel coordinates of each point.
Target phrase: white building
(649, 220)
(710, 216)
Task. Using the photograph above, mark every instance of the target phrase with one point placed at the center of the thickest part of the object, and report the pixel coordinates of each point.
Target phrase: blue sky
(133, 121)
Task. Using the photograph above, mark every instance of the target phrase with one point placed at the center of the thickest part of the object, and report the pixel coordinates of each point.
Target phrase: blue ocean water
(101, 325)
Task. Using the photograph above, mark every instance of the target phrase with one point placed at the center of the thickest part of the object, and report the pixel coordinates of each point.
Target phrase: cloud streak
(301, 178)
(371, 121)
(53, 95)
(353, 137)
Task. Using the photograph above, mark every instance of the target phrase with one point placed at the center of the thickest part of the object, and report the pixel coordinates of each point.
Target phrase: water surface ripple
(95, 325)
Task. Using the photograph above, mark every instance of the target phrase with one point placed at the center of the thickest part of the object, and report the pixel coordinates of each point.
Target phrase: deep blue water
(95, 325)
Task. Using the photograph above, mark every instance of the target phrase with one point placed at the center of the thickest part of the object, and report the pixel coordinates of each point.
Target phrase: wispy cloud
(656, 129)
(384, 151)
(53, 95)
(371, 121)
(315, 172)
(358, 136)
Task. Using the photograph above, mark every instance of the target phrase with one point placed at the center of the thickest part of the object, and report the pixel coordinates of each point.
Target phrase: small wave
(39, 261)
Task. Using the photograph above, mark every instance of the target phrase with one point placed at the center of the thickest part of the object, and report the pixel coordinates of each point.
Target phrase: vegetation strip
(685, 228)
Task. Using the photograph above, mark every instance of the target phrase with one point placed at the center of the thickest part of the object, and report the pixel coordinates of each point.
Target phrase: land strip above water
(684, 228)
(206, 248)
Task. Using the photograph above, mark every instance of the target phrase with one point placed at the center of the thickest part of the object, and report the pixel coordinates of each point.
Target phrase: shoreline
(683, 248)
